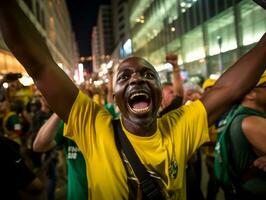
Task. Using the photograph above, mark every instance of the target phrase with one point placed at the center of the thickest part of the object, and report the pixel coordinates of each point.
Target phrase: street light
(220, 41)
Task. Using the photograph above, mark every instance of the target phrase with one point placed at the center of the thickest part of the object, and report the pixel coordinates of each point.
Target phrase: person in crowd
(172, 98)
(109, 102)
(49, 136)
(48, 158)
(172, 93)
(11, 122)
(164, 145)
(246, 129)
(213, 186)
(192, 92)
(17, 180)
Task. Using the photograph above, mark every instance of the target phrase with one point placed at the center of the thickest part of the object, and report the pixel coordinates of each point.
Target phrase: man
(50, 135)
(163, 145)
(172, 93)
(246, 130)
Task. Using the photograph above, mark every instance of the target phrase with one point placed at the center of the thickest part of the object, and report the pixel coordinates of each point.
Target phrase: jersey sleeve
(85, 118)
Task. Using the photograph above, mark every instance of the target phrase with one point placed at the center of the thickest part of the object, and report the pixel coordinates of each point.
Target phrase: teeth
(139, 94)
(140, 109)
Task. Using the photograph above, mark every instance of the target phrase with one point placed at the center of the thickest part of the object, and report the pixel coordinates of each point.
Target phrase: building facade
(51, 18)
(105, 33)
(208, 35)
(95, 49)
(121, 29)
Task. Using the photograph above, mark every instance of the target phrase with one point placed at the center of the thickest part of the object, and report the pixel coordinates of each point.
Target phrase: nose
(136, 78)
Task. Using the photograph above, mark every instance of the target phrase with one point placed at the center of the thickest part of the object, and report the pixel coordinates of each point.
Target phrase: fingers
(260, 163)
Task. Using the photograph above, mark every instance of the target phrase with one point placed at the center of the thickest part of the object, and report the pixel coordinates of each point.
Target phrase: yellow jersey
(179, 133)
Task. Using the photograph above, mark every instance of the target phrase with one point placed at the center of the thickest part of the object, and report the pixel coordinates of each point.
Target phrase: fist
(171, 58)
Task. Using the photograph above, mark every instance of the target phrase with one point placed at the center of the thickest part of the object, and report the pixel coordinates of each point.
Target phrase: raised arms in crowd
(30, 48)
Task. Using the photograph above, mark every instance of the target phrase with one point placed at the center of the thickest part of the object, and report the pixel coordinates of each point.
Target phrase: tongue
(140, 105)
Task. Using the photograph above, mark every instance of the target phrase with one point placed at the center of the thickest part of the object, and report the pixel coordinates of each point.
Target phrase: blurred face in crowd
(137, 91)
(168, 95)
(260, 96)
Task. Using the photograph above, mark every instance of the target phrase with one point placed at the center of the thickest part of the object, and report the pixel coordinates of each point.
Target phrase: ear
(251, 95)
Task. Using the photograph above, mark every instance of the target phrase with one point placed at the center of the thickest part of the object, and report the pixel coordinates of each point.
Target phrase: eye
(122, 77)
(149, 75)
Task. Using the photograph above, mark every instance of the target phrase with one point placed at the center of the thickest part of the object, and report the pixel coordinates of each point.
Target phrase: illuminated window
(221, 33)
(253, 22)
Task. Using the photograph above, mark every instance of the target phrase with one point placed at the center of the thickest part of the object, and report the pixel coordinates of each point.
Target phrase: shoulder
(253, 124)
(84, 103)
(194, 108)
(192, 113)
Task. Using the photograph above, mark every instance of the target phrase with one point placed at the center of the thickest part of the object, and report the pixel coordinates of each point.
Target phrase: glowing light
(128, 47)
(110, 64)
(101, 73)
(183, 4)
(98, 82)
(173, 29)
(5, 85)
(214, 76)
(75, 77)
(26, 80)
(60, 65)
(81, 72)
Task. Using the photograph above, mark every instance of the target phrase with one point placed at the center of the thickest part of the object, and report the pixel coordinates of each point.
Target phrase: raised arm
(235, 82)
(177, 80)
(45, 139)
(30, 48)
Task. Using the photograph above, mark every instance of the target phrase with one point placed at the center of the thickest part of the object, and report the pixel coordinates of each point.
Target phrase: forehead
(135, 63)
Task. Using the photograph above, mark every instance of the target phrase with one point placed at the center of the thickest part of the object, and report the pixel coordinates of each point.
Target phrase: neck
(144, 129)
(254, 106)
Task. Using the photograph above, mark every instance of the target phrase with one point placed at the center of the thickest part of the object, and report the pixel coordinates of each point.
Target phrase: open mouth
(139, 102)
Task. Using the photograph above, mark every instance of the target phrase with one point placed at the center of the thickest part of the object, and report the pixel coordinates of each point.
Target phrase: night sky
(83, 14)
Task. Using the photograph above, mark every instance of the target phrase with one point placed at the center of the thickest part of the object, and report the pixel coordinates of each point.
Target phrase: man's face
(168, 95)
(261, 95)
(137, 91)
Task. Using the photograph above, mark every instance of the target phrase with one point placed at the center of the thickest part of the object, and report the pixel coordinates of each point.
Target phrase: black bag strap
(150, 189)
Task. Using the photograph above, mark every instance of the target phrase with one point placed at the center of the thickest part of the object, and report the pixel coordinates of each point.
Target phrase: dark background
(83, 14)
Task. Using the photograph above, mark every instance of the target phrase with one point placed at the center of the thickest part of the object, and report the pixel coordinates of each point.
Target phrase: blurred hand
(172, 59)
(260, 163)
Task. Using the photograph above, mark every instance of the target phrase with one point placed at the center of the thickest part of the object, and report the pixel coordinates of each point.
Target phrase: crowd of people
(35, 132)
(171, 126)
